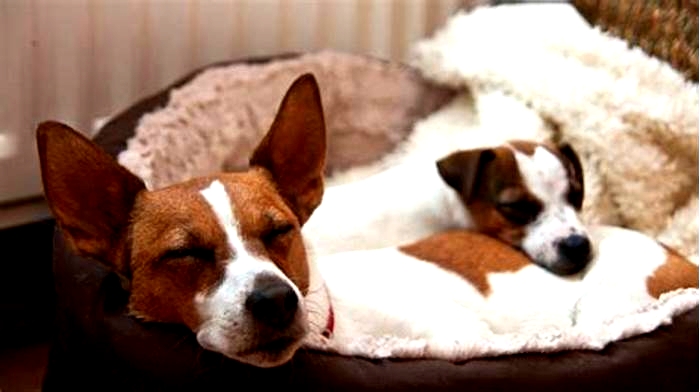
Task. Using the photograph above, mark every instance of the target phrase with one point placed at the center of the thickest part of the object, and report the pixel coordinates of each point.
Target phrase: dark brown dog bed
(99, 347)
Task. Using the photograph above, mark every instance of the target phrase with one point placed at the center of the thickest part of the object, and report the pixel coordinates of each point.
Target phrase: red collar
(330, 324)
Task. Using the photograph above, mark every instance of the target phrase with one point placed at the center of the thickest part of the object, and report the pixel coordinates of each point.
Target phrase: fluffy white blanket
(487, 344)
(632, 118)
(549, 75)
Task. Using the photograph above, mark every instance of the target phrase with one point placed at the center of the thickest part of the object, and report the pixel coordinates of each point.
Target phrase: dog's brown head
(221, 254)
(527, 194)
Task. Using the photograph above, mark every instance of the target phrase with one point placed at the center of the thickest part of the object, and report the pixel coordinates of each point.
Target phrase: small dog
(222, 254)
(524, 193)
(463, 286)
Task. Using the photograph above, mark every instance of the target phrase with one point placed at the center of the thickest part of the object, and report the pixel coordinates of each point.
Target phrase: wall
(76, 60)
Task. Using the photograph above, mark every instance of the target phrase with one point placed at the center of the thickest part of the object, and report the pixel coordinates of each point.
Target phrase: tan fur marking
(88, 192)
(676, 273)
(295, 159)
(178, 217)
(490, 221)
(499, 175)
(287, 251)
(471, 255)
(169, 241)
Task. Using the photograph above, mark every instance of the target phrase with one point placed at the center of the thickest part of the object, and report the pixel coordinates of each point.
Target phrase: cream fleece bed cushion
(213, 122)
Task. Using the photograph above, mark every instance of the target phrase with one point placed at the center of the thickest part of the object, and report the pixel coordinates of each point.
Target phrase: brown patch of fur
(174, 219)
(89, 194)
(499, 175)
(179, 218)
(471, 255)
(489, 221)
(295, 159)
(260, 210)
(677, 272)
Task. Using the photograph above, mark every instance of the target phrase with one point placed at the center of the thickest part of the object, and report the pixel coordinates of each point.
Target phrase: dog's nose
(575, 252)
(272, 302)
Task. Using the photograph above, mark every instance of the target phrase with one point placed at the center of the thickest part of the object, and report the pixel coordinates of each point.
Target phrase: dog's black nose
(272, 302)
(575, 253)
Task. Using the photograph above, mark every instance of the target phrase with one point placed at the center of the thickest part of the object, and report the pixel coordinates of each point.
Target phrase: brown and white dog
(524, 193)
(462, 287)
(222, 254)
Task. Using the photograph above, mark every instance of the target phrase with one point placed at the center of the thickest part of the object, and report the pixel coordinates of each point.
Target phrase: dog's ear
(460, 170)
(574, 170)
(294, 149)
(88, 192)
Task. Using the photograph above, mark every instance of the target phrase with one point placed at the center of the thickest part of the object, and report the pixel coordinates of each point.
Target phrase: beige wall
(75, 60)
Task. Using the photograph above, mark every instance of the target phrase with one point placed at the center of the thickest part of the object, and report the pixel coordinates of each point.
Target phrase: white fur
(402, 197)
(547, 179)
(632, 117)
(384, 292)
(390, 304)
(410, 201)
(399, 205)
(227, 327)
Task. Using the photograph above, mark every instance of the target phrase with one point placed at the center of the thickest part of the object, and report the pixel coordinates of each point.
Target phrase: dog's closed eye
(521, 211)
(276, 232)
(196, 253)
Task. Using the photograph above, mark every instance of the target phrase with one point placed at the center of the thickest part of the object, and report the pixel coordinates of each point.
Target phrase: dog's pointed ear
(88, 192)
(574, 170)
(294, 149)
(460, 170)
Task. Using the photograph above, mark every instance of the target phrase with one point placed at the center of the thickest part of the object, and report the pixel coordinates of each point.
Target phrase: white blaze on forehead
(543, 174)
(227, 327)
(244, 266)
(217, 197)
(546, 178)
(219, 201)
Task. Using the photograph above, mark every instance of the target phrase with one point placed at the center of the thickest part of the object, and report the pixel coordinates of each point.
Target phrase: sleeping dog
(524, 193)
(221, 254)
(461, 288)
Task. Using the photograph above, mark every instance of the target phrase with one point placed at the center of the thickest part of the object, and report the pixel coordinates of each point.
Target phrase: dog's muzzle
(574, 254)
(272, 302)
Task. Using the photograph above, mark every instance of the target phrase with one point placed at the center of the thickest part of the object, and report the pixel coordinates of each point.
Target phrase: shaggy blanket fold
(632, 118)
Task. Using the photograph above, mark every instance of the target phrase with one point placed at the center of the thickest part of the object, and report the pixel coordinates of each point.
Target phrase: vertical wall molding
(78, 60)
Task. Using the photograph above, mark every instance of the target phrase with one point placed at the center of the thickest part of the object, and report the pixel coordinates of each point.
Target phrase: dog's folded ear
(460, 170)
(88, 192)
(294, 149)
(574, 170)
